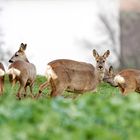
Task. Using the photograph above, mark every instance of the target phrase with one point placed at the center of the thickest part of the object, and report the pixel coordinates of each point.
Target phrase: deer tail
(118, 79)
(50, 73)
(2, 72)
(14, 72)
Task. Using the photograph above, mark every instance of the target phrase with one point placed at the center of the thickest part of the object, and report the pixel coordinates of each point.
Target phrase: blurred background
(71, 29)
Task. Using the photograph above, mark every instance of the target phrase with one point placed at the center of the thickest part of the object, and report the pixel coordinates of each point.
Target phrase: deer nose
(10, 61)
(100, 67)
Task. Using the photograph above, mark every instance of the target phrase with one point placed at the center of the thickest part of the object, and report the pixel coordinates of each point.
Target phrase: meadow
(101, 115)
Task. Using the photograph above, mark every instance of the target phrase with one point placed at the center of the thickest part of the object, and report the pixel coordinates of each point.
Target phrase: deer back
(71, 64)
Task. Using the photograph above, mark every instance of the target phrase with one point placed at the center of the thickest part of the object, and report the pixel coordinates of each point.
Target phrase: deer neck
(26, 60)
(100, 74)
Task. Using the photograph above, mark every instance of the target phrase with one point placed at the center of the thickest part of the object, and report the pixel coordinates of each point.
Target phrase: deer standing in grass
(2, 72)
(74, 76)
(128, 80)
(22, 70)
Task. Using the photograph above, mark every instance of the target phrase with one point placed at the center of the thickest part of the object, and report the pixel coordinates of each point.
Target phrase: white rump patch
(2, 72)
(50, 73)
(14, 72)
(119, 79)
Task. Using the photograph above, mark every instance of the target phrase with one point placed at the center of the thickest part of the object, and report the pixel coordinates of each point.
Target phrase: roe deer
(2, 72)
(74, 76)
(128, 80)
(109, 76)
(22, 70)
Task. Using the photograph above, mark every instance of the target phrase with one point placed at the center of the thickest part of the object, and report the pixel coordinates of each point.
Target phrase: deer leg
(21, 88)
(57, 90)
(1, 85)
(1, 90)
(129, 90)
(122, 88)
(13, 83)
(31, 91)
(25, 91)
(19, 92)
(57, 87)
(41, 88)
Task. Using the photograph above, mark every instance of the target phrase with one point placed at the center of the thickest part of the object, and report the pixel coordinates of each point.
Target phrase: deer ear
(106, 54)
(95, 54)
(111, 70)
(23, 47)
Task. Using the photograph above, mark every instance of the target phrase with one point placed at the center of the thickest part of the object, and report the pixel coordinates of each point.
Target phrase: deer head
(20, 54)
(100, 63)
(109, 76)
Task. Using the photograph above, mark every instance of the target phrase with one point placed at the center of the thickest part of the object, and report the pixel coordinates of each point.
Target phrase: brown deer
(74, 76)
(109, 76)
(128, 80)
(2, 73)
(22, 70)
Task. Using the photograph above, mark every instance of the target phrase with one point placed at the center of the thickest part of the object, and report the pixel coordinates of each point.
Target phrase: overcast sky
(52, 29)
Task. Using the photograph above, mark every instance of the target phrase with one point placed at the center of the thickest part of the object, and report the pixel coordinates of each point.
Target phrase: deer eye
(103, 61)
(16, 55)
(97, 61)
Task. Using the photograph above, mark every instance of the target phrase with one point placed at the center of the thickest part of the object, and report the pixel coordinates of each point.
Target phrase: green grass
(102, 115)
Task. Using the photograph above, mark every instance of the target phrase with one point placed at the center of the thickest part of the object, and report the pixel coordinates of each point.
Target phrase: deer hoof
(24, 95)
(40, 91)
(18, 97)
(37, 95)
(32, 96)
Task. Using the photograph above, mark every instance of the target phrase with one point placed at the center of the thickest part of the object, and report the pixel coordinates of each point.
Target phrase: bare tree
(130, 38)
(111, 34)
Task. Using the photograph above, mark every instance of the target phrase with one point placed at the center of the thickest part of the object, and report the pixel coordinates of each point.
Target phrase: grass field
(104, 115)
